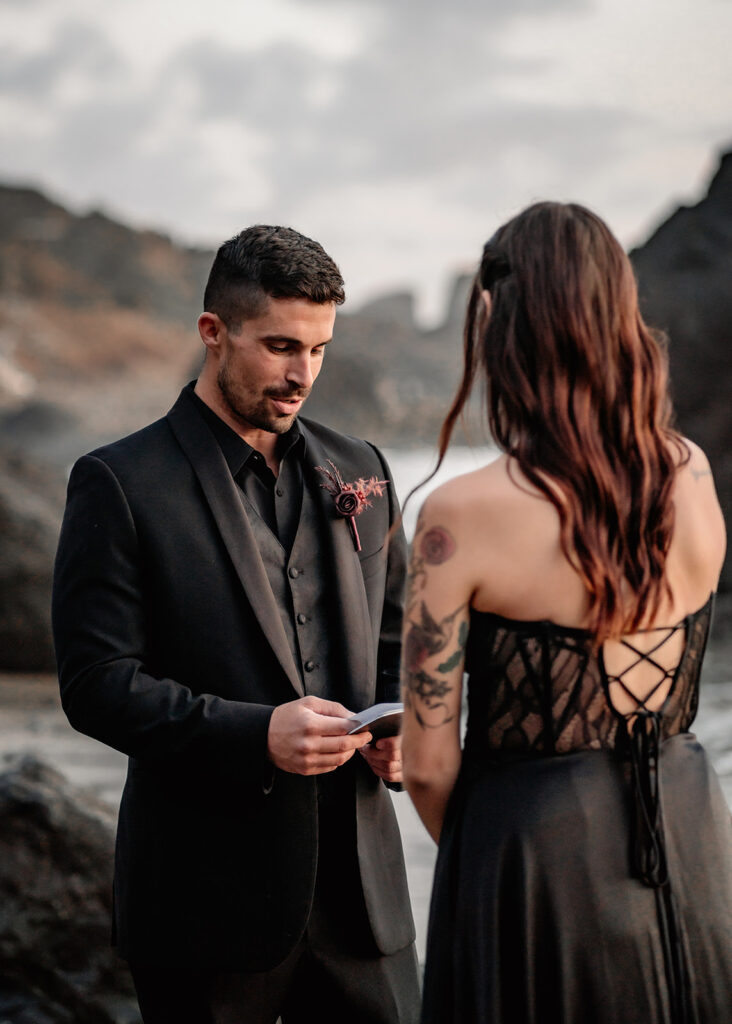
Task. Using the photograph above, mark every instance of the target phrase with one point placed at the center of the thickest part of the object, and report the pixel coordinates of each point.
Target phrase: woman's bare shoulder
(699, 540)
(694, 478)
(493, 483)
(494, 510)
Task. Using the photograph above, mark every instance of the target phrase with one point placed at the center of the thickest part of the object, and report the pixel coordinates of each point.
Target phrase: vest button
(302, 618)
(309, 666)
(279, 492)
(293, 573)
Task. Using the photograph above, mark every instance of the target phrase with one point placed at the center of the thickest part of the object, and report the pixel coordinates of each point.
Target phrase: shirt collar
(236, 451)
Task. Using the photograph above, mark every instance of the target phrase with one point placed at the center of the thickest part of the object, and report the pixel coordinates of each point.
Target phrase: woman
(584, 873)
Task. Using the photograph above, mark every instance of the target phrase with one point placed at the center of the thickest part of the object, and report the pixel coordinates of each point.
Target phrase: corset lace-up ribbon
(649, 853)
(643, 730)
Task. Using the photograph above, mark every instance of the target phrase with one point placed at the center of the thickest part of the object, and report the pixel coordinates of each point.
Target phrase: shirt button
(302, 618)
(293, 573)
(309, 666)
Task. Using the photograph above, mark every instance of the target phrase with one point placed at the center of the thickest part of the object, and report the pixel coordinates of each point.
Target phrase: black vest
(301, 586)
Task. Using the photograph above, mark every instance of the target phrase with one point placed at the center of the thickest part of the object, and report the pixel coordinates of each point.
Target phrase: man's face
(267, 368)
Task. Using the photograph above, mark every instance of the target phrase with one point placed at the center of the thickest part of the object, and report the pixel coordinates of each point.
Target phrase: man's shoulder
(144, 441)
(335, 441)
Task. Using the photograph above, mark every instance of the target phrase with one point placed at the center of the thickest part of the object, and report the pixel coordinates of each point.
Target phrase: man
(217, 620)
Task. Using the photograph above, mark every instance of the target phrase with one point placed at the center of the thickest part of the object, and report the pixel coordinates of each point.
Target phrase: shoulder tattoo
(431, 547)
(437, 545)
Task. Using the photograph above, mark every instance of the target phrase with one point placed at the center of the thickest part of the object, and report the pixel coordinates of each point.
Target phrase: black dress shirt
(277, 499)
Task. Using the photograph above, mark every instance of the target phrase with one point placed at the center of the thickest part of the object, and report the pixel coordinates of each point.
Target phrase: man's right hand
(309, 736)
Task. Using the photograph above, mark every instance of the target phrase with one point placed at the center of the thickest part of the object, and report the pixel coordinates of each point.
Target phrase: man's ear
(211, 328)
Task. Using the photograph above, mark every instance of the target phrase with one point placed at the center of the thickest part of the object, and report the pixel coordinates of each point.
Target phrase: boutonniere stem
(350, 499)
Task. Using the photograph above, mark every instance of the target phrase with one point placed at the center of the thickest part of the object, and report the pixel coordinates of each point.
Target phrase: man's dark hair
(265, 261)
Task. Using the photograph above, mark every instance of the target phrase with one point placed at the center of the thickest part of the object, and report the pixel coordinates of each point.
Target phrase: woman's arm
(433, 652)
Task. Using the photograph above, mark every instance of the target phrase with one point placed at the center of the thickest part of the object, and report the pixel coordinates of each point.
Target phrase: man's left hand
(384, 757)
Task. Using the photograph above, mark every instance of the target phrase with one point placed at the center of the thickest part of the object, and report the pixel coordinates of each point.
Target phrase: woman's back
(512, 536)
(509, 537)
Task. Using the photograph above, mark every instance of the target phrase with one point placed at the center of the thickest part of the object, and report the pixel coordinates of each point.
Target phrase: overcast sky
(399, 134)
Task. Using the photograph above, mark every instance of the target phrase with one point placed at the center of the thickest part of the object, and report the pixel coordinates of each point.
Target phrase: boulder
(56, 856)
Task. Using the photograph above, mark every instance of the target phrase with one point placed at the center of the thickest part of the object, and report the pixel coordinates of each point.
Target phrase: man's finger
(327, 725)
(339, 742)
(388, 744)
(385, 766)
(326, 762)
(328, 708)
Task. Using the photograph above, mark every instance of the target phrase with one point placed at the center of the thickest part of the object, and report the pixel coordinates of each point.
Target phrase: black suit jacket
(171, 649)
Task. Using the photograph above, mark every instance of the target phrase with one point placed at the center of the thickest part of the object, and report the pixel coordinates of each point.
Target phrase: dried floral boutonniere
(350, 499)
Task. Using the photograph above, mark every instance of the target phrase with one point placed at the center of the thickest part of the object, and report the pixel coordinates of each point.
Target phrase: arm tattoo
(437, 546)
(431, 548)
(699, 473)
(424, 691)
(417, 572)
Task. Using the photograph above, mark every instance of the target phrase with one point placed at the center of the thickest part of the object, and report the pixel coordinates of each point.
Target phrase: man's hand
(309, 736)
(385, 758)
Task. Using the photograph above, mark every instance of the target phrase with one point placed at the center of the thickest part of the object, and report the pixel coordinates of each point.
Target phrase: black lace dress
(584, 874)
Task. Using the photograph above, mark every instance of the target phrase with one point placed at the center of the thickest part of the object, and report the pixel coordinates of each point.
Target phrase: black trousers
(308, 986)
(335, 975)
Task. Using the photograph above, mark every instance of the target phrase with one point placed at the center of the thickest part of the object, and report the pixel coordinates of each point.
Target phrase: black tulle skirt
(537, 916)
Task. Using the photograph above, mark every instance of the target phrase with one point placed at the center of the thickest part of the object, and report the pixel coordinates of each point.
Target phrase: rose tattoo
(437, 546)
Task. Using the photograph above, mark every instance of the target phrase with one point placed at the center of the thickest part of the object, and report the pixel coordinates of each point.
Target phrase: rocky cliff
(685, 275)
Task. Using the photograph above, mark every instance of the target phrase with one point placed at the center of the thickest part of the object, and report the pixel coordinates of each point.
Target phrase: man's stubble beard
(257, 414)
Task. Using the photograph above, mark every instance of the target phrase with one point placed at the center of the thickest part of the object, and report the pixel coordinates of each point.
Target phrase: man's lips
(287, 404)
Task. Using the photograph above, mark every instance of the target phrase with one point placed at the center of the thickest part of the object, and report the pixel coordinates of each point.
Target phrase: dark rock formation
(91, 347)
(56, 851)
(51, 254)
(31, 506)
(684, 272)
(386, 380)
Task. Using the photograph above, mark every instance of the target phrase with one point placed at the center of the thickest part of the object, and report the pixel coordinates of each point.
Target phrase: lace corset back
(537, 689)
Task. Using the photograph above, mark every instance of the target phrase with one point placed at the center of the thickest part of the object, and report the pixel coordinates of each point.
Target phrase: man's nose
(300, 372)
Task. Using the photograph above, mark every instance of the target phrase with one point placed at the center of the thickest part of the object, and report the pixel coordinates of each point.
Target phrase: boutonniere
(350, 499)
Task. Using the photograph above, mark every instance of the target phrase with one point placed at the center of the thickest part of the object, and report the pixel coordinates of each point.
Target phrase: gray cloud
(472, 9)
(268, 89)
(75, 46)
(418, 102)
(414, 106)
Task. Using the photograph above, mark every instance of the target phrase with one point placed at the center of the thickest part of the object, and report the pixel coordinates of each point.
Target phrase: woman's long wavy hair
(577, 393)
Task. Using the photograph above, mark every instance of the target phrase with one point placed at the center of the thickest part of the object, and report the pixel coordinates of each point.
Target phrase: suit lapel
(222, 496)
(350, 593)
